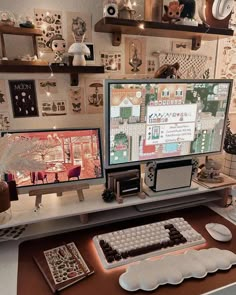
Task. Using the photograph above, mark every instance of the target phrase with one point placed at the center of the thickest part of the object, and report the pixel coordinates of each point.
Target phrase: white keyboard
(149, 240)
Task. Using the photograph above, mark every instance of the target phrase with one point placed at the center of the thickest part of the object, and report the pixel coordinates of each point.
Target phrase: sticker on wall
(151, 66)
(54, 108)
(94, 96)
(3, 97)
(47, 87)
(23, 98)
(135, 53)
(76, 101)
(79, 27)
(180, 46)
(111, 61)
(4, 121)
(50, 22)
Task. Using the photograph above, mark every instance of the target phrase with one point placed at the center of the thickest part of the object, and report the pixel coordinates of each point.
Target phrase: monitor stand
(232, 214)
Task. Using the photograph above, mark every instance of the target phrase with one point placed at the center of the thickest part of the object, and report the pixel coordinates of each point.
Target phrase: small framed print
(91, 57)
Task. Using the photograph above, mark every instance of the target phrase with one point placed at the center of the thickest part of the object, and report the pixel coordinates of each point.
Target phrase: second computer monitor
(159, 119)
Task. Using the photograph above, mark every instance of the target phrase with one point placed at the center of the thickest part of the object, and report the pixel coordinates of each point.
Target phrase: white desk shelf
(60, 214)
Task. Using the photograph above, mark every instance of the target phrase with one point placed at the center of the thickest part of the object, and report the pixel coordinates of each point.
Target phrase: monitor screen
(164, 118)
(70, 155)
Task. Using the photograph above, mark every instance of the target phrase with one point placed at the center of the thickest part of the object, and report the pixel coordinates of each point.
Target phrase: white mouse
(222, 8)
(219, 232)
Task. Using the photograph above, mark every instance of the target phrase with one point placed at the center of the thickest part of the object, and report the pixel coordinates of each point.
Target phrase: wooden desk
(105, 282)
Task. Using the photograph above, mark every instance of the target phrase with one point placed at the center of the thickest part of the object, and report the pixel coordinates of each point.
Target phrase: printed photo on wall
(23, 98)
(76, 101)
(226, 66)
(111, 61)
(5, 123)
(151, 66)
(54, 108)
(94, 96)
(47, 87)
(79, 27)
(3, 97)
(180, 46)
(50, 22)
(135, 54)
(90, 58)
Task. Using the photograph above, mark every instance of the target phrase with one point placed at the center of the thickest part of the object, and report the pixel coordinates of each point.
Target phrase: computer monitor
(164, 119)
(71, 156)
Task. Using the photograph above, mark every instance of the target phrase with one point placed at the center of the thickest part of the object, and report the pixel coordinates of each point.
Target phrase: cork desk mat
(105, 282)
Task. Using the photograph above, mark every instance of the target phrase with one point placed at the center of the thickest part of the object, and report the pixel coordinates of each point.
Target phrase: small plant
(230, 140)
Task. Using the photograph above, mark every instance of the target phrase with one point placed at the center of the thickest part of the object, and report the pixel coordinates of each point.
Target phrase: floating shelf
(20, 31)
(118, 27)
(43, 67)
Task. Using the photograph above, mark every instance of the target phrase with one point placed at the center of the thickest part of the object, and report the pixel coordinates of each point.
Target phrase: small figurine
(58, 46)
(210, 172)
(172, 12)
(7, 18)
(168, 71)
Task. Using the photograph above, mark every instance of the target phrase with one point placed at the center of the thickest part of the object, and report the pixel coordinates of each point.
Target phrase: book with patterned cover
(62, 266)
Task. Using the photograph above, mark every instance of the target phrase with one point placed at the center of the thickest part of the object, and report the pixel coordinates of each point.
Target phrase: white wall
(18, 45)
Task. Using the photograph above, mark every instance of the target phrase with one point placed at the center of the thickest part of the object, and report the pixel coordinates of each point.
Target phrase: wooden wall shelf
(42, 67)
(20, 31)
(118, 27)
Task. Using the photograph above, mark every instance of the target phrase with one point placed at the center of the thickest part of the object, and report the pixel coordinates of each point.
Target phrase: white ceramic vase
(79, 60)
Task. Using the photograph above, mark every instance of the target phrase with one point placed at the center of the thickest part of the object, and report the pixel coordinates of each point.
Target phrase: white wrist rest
(148, 275)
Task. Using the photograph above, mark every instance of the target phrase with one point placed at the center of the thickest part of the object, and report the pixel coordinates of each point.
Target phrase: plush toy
(172, 11)
(168, 71)
(189, 8)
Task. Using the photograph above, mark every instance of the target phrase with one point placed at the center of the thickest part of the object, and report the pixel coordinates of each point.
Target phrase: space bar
(154, 247)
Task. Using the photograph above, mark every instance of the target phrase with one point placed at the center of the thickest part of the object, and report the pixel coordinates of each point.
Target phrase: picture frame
(91, 58)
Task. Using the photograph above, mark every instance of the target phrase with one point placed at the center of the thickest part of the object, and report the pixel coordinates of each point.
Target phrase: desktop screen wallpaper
(69, 155)
(162, 120)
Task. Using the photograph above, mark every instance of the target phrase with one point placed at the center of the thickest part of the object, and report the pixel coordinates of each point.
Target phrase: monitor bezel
(93, 181)
(108, 82)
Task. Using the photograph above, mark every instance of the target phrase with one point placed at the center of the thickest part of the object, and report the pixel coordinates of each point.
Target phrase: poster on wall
(111, 61)
(47, 86)
(94, 96)
(79, 27)
(226, 65)
(76, 100)
(3, 97)
(5, 123)
(135, 55)
(50, 23)
(23, 98)
(54, 108)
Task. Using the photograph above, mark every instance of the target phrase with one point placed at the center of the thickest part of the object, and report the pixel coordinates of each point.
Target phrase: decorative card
(48, 86)
(76, 100)
(94, 96)
(5, 123)
(111, 61)
(79, 27)
(3, 97)
(135, 55)
(50, 22)
(151, 66)
(23, 98)
(54, 108)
